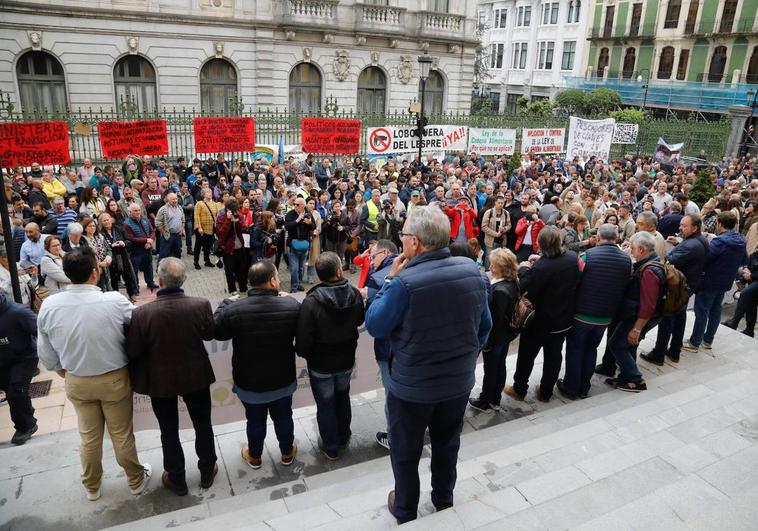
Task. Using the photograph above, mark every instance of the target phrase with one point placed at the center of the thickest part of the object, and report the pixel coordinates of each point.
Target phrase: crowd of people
(551, 252)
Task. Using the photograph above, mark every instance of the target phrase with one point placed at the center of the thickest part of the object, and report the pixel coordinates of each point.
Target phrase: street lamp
(746, 133)
(424, 66)
(644, 87)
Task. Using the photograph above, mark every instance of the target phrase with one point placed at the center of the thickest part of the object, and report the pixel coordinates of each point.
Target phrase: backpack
(523, 313)
(676, 295)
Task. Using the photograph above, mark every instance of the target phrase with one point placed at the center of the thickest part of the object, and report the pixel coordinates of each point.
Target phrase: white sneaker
(148, 471)
(707, 346)
(689, 347)
(93, 495)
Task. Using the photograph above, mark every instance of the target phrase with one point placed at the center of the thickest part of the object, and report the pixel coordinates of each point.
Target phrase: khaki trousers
(99, 401)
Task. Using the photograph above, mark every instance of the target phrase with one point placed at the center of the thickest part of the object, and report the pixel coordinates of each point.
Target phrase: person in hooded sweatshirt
(327, 336)
(727, 252)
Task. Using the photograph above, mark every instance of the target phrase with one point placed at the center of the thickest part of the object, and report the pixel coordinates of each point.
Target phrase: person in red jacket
(465, 214)
(527, 230)
(363, 261)
(230, 226)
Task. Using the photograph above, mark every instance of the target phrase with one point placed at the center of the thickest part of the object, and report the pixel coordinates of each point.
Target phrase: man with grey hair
(601, 290)
(169, 223)
(433, 309)
(167, 365)
(639, 312)
(63, 215)
(74, 238)
(142, 235)
(648, 222)
(327, 336)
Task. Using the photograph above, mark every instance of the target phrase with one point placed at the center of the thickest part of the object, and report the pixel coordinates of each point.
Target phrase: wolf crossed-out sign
(403, 139)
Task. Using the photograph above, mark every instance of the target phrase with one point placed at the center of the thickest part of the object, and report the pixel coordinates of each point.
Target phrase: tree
(481, 61)
(703, 189)
(571, 101)
(602, 101)
(481, 105)
(541, 108)
(514, 163)
(629, 116)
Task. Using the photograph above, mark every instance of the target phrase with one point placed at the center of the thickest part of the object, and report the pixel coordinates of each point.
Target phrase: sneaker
(254, 462)
(689, 347)
(220, 264)
(147, 471)
(707, 346)
(21, 437)
(611, 381)
(651, 359)
(93, 495)
(510, 391)
(383, 439)
(234, 294)
(197, 266)
(605, 371)
(480, 405)
(563, 391)
(632, 387)
(288, 458)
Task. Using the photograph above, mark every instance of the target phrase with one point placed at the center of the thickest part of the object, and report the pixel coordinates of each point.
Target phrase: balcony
(440, 25)
(377, 18)
(321, 13)
(730, 26)
(635, 31)
(681, 95)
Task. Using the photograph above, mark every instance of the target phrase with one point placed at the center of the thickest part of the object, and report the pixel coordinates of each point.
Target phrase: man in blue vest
(602, 285)
(433, 309)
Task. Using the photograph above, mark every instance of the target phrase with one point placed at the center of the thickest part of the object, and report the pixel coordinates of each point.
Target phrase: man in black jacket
(262, 329)
(327, 336)
(46, 222)
(18, 361)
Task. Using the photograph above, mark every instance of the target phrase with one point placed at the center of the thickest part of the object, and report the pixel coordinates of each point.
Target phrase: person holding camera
(527, 230)
(230, 227)
(264, 238)
(495, 225)
(336, 229)
(299, 224)
(389, 223)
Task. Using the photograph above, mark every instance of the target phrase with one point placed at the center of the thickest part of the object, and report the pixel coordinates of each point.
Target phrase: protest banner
(403, 139)
(331, 136)
(590, 138)
(143, 137)
(491, 141)
(27, 142)
(625, 133)
(224, 134)
(542, 140)
(667, 153)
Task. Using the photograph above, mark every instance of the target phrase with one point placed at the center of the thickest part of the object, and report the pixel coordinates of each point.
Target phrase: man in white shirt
(33, 249)
(662, 198)
(81, 337)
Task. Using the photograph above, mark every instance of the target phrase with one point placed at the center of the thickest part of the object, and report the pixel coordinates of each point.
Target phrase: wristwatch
(388, 278)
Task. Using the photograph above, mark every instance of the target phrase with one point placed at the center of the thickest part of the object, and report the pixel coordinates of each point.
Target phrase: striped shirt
(69, 216)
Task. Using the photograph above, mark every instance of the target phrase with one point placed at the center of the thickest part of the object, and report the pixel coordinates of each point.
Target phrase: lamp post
(424, 66)
(645, 86)
(746, 134)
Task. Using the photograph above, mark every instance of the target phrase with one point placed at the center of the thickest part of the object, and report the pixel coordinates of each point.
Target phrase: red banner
(331, 136)
(224, 135)
(144, 137)
(42, 142)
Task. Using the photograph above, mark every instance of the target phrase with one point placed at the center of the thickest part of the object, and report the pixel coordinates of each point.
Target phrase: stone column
(739, 115)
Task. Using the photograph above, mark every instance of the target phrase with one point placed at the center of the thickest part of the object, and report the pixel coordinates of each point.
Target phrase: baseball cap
(415, 192)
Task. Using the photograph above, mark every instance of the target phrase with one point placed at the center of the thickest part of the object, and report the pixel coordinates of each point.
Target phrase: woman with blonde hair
(505, 293)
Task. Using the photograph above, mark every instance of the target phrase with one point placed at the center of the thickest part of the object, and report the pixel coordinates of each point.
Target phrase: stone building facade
(213, 55)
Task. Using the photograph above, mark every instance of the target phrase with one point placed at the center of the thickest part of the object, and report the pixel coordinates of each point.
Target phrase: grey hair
(644, 240)
(648, 217)
(134, 206)
(172, 272)
(430, 225)
(608, 232)
(675, 206)
(550, 242)
(74, 228)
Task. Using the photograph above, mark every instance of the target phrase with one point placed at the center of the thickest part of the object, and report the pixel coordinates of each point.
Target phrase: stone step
(521, 463)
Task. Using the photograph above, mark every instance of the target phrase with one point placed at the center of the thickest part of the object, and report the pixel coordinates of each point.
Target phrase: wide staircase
(682, 455)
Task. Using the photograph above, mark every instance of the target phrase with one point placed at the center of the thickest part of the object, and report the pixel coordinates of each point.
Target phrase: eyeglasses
(372, 256)
(406, 234)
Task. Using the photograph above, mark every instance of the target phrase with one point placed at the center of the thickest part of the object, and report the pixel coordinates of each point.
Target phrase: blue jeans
(296, 260)
(707, 316)
(281, 413)
(581, 356)
(384, 371)
(170, 247)
(142, 260)
(671, 328)
(333, 413)
(626, 354)
(188, 228)
(408, 423)
(494, 373)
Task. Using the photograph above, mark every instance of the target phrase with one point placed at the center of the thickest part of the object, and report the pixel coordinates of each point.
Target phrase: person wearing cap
(462, 220)
(393, 198)
(415, 201)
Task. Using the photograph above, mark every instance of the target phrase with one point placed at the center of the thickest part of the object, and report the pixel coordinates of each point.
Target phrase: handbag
(300, 246)
(523, 313)
(37, 295)
(352, 245)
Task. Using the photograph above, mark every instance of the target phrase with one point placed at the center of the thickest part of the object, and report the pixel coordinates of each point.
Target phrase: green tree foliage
(514, 163)
(629, 116)
(572, 101)
(703, 189)
(597, 102)
(603, 100)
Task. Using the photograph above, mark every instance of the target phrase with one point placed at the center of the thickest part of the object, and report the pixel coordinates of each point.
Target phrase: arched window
(372, 91)
(218, 86)
(672, 14)
(41, 82)
(575, 7)
(630, 58)
(305, 89)
(752, 68)
(602, 62)
(434, 94)
(718, 64)
(666, 64)
(134, 76)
